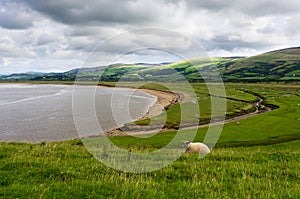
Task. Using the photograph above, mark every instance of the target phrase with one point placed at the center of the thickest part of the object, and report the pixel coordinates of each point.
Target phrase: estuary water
(44, 112)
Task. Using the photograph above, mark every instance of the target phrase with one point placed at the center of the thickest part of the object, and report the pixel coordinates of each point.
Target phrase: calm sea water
(35, 113)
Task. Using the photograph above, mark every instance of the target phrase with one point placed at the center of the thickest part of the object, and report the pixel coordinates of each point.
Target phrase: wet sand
(165, 99)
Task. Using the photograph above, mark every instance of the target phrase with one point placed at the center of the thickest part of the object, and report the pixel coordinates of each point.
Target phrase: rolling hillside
(281, 65)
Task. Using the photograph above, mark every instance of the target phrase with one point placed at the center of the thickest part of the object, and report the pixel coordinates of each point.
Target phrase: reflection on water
(35, 113)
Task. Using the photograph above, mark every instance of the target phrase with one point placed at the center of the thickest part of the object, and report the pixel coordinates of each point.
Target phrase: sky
(56, 36)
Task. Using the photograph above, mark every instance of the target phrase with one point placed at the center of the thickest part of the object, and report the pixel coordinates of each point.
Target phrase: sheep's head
(186, 144)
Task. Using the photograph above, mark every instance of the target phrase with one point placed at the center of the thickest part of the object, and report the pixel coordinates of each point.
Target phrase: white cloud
(49, 35)
(9, 48)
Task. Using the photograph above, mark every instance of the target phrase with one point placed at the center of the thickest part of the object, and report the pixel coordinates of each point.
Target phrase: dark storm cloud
(138, 12)
(13, 16)
(94, 12)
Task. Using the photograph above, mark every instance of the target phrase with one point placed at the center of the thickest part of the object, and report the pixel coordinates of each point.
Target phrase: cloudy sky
(51, 35)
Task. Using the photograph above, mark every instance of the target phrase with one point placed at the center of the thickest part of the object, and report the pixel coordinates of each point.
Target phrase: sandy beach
(165, 99)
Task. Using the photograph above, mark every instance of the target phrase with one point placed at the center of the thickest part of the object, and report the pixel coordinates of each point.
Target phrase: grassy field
(238, 102)
(257, 158)
(67, 170)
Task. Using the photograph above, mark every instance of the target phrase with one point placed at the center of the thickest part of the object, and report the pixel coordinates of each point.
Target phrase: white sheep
(196, 147)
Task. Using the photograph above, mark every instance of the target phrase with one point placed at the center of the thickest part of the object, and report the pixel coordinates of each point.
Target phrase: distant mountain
(279, 65)
(151, 65)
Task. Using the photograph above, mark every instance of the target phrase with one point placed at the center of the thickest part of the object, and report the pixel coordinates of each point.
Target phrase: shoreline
(165, 99)
(150, 131)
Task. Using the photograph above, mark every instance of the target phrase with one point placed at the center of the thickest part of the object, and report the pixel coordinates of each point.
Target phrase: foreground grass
(67, 170)
(268, 169)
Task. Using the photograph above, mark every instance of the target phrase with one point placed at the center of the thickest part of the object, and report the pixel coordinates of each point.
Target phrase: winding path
(257, 111)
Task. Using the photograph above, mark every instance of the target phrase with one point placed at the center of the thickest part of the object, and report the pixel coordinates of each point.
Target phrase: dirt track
(182, 97)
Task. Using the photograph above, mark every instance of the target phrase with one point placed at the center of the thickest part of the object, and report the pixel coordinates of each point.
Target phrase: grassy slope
(277, 126)
(280, 65)
(234, 107)
(66, 169)
(272, 66)
(276, 65)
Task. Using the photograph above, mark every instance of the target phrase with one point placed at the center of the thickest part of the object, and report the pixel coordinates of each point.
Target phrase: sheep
(196, 147)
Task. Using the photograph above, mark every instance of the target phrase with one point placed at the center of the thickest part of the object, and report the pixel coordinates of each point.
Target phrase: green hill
(280, 65)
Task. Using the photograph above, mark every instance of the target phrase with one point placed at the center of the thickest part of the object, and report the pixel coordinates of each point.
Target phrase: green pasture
(255, 158)
(67, 170)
